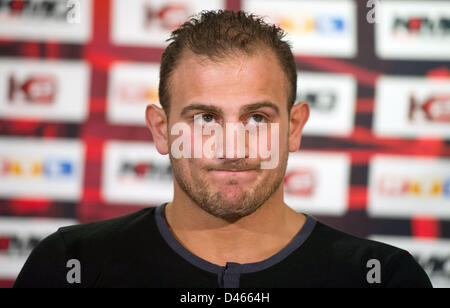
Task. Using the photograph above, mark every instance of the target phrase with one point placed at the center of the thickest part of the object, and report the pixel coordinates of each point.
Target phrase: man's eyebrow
(244, 109)
(201, 107)
(256, 106)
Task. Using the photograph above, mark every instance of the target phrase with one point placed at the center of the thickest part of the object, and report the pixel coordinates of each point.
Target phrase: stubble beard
(244, 203)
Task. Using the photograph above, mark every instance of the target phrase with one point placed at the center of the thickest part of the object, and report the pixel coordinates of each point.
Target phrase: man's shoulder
(109, 229)
(91, 244)
(351, 258)
(344, 243)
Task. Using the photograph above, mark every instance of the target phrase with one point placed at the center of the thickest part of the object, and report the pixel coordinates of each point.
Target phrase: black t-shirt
(138, 250)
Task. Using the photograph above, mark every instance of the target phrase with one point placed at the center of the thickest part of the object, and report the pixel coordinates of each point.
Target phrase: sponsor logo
(133, 93)
(432, 255)
(135, 173)
(34, 9)
(435, 265)
(332, 100)
(324, 28)
(300, 182)
(19, 236)
(62, 20)
(424, 186)
(38, 89)
(321, 24)
(44, 90)
(412, 107)
(15, 245)
(169, 17)
(317, 183)
(434, 109)
(150, 23)
(131, 88)
(405, 186)
(321, 101)
(41, 169)
(131, 171)
(54, 169)
(413, 30)
(420, 26)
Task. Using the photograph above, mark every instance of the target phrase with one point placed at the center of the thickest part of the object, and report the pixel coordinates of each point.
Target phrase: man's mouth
(233, 172)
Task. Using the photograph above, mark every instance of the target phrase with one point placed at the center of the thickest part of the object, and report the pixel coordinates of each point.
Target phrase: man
(227, 225)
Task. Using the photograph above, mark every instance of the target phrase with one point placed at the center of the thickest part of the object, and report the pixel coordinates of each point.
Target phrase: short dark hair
(219, 33)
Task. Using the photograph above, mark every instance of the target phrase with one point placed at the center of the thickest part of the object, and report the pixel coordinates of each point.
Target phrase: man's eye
(204, 118)
(257, 119)
(207, 118)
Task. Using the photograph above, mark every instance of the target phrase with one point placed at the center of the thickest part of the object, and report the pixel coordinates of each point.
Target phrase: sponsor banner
(150, 23)
(136, 173)
(62, 20)
(413, 30)
(44, 90)
(401, 186)
(41, 169)
(331, 98)
(321, 28)
(432, 254)
(412, 107)
(19, 236)
(131, 88)
(317, 183)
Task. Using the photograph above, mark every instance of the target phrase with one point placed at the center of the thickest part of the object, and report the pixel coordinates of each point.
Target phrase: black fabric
(129, 251)
(229, 275)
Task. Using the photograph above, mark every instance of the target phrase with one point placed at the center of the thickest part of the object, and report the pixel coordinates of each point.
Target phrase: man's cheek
(212, 141)
(181, 140)
(269, 146)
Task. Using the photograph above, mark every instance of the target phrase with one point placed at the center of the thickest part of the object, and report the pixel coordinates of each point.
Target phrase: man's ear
(157, 123)
(297, 120)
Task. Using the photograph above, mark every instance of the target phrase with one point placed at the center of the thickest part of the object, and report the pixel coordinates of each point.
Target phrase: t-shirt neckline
(293, 245)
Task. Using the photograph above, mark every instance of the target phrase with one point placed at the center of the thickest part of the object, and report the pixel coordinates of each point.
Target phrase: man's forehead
(236, 74)
(226, 57)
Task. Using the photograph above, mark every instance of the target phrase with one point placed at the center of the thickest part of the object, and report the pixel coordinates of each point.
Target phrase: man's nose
(235, 141)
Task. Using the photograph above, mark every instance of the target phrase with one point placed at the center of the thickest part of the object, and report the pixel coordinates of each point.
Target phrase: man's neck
(253, 238)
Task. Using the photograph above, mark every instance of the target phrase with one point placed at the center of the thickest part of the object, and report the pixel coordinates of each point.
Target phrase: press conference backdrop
(76, 76)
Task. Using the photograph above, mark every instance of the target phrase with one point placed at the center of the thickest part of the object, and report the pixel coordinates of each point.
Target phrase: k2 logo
(74, 274)
(374, 274)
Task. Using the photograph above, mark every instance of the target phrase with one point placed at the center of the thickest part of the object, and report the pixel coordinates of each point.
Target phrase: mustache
(236, 166)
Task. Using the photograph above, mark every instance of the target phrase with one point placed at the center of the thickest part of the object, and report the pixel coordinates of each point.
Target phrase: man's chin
(230, 214)
(230, 209)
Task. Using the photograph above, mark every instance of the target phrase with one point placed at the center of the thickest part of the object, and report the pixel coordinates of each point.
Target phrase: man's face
(247, 89)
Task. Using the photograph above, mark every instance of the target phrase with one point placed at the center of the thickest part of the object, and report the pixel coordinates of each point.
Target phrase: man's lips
(232, 172)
